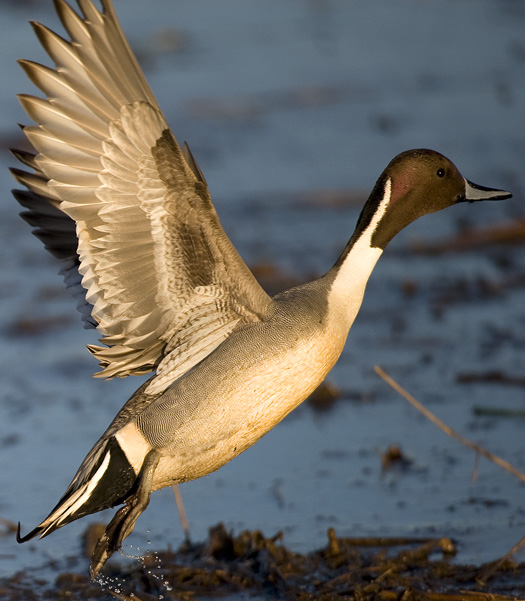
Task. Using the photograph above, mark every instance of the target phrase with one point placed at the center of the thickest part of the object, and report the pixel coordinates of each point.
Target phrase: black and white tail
(104, 479)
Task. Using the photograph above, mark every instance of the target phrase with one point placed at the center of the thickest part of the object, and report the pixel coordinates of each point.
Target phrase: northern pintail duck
(129, 214)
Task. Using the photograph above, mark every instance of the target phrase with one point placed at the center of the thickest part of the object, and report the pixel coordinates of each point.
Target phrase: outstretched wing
(113, 196)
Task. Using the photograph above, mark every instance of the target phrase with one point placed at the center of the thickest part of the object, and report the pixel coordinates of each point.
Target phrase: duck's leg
(124, 520)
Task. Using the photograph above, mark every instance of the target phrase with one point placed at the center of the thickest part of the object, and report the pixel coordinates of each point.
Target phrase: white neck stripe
(346, 293)
(366, 237)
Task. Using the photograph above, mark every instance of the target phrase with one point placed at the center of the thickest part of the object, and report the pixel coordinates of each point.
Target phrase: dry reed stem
(435, 420)
(182, 513)
(489, 573)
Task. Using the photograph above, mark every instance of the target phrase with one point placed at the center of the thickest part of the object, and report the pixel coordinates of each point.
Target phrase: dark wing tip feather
(55, 229)
(25, 157)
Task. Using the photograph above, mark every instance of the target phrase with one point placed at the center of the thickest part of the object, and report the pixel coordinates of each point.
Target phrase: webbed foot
(124, 520)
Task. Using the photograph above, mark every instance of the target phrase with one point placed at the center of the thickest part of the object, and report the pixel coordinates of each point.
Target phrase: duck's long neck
(349, 276)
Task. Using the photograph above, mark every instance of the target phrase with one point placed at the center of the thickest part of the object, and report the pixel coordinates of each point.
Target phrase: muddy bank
(250, 565)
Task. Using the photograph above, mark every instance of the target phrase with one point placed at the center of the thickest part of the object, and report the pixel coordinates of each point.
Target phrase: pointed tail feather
(105, 479)
(23, 539)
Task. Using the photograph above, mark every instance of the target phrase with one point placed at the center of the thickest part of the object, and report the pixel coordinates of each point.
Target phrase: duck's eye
(440, 173)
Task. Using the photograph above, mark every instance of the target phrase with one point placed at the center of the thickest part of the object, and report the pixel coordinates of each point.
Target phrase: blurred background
(293, 109)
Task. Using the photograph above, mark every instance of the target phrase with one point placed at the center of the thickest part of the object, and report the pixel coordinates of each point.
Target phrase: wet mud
(252, 566)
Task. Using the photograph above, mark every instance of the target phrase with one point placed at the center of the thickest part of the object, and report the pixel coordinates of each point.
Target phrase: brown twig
(489, 573)
(435, 420)
(182, 513)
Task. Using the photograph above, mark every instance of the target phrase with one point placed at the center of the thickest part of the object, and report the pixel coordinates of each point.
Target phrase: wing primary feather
(124, 207)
